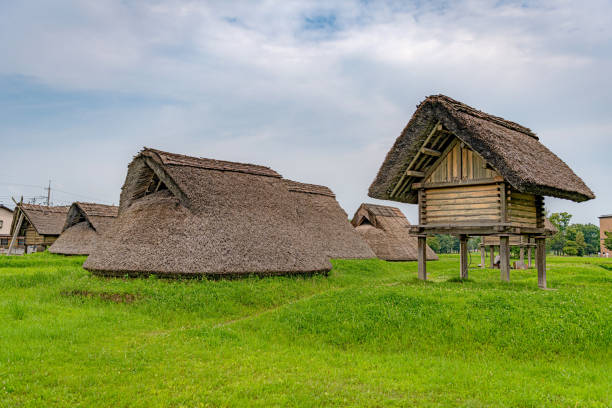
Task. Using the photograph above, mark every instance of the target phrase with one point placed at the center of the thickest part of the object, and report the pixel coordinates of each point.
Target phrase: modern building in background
(605, 225)
(6, 217)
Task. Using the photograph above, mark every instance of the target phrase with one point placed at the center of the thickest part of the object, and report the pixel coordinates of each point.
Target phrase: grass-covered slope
(370, 334)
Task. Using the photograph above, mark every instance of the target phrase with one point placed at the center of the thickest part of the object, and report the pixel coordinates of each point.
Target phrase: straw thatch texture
(84, 223)
(184, 216)
(511, 149)
(45, 220)
(326, 222)
(385, 229)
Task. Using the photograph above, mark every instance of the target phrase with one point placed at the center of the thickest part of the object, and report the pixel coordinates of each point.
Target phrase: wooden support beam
(529, 257)
(503, 204)
(15, 233)
(492, 255)
(430, 152)
(396, 190)
(463, 256)
(414, 173)
(483, 254)
(541, 261)
(504, 257)
(422, 257)
(522, 254)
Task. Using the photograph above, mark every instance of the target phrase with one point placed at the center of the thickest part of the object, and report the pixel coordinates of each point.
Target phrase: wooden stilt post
(422, 257)
(463, 256)
(492, 255)
(483, 256)
(522, 253)
(504, 258)
(541, 261)
(529, 257)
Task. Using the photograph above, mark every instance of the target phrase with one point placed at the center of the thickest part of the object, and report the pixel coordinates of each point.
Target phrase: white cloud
(246, 81)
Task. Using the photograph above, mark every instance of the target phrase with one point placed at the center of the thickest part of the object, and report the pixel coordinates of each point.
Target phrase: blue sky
(316, 90)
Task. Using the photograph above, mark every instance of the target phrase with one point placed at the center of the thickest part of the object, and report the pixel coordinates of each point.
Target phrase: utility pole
(49, 193)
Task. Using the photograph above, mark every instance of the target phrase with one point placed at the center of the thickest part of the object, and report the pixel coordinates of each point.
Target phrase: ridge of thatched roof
(45, 220)
(209, 164)
(182, 216)
(385, 229)
(308, 188)
(326, 223)
(511, 149)
(99, 216)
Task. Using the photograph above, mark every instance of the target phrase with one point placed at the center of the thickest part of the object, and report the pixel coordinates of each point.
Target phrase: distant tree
(580, 244)
(608, 240)
(560, 220)
(557, 242)
(570, 248)
(473, 243)
(591, 238)
(448, 243)
(434, 243)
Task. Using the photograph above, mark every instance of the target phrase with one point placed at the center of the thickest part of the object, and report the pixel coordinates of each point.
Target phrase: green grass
(370, 334)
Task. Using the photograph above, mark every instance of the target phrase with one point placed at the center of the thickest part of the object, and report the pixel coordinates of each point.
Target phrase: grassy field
(370, 334)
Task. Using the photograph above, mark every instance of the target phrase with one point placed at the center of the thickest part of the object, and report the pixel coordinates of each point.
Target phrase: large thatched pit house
(385, 229)
(84, 223)
(187, 216)
(474, 174)
(40, 225)
(326, 222)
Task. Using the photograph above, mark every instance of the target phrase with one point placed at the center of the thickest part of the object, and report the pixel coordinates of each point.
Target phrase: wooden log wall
(523, 208)
(460, 204)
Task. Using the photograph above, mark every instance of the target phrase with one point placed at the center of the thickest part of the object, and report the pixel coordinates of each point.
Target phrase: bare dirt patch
(109, 296)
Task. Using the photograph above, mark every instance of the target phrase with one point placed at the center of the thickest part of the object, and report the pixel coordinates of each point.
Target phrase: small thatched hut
(188, 216)
(85, 222)
(326, 222)
(40, 225)
(385, 229)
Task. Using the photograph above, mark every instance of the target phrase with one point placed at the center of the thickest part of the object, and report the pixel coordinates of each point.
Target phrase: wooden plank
(522, 196)
(504, 258)
(415, 173)
(463, 257)
(483, 255)
(436, 128)
(529, 257)
(430, 152)
(492, 255)
(457, 187)
(541, 261)
(422, 257)
(502, 203)
(465, 212)
(422, 207)
(459, 201)
(458, 184)
(463, 206)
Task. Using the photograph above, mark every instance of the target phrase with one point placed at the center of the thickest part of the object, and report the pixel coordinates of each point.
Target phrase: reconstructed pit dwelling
(189, 216)
(385, 229)
(84, 224)
(474, 174)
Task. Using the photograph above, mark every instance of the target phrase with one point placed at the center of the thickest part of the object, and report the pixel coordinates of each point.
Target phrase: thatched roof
(181, 215)
(511, 149)
(385, 229)
(45, 220)
(84, 223)
(326, 222)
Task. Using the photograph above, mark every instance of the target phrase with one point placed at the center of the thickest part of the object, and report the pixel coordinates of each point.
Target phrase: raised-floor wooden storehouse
(385, 229)
(474, 174)
(84, 223)
(188, 216)
(39, 224)
(326, 222)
